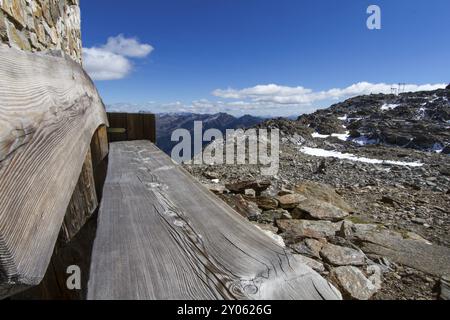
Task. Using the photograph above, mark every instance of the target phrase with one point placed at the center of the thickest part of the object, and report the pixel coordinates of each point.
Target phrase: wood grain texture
(162, 235)
(49, 110)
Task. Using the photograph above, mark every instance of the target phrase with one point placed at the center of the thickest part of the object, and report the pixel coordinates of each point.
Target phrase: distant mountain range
(167, 123)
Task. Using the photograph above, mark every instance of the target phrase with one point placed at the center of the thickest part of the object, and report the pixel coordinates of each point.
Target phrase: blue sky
(282, 57)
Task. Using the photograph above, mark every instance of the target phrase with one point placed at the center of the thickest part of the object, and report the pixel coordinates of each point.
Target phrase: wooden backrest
(49, 111)
(131, 126)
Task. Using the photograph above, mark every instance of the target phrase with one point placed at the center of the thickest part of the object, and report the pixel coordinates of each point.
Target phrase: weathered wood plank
(162, 235)
(49, 110)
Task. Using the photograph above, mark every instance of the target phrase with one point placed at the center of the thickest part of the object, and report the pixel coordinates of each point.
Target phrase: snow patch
(389, 106)
(320, 136)
(344, 118)
(340, 136)
(348, 156)
(363, 141)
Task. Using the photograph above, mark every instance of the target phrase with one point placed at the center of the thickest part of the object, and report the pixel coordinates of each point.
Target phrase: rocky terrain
(418, 120)
(362, 194)
(167, 123)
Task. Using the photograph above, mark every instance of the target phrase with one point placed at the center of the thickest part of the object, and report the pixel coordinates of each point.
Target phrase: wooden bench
(162, 235)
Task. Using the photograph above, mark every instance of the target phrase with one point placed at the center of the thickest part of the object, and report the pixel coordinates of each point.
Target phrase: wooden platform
(162, 235)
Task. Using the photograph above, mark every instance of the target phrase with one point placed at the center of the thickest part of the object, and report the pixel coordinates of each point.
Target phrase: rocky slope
(364, 209)
(419, 120)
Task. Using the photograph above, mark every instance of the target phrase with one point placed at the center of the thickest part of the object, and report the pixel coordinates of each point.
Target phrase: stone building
(40, 25)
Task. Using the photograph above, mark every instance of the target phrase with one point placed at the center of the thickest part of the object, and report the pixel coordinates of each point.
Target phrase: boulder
(309, 247)
(241, 186)
(297, 230)
(404, 248)
(320, 210)
(271, 215)
(290, 201)
(353, 283)
(265, 203)
(322, 192)
(342, 256)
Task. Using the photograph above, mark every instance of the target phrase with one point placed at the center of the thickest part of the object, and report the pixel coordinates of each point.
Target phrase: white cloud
(128, 47)
(282, 95)
(269, 100)
(104, 65)
(111, 61)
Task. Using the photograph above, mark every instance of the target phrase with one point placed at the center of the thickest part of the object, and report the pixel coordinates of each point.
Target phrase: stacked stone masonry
(42, 25)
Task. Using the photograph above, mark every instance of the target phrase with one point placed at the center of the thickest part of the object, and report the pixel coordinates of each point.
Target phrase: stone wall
(39, 25)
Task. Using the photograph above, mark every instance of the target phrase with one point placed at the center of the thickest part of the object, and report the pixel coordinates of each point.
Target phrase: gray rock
(375, 273)
(271, 215)
(322, 192)
(296, 230)
(405, 248)
(353, 283)
(316, 209)
(346, 229)
(309, 247)
(342, 256)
